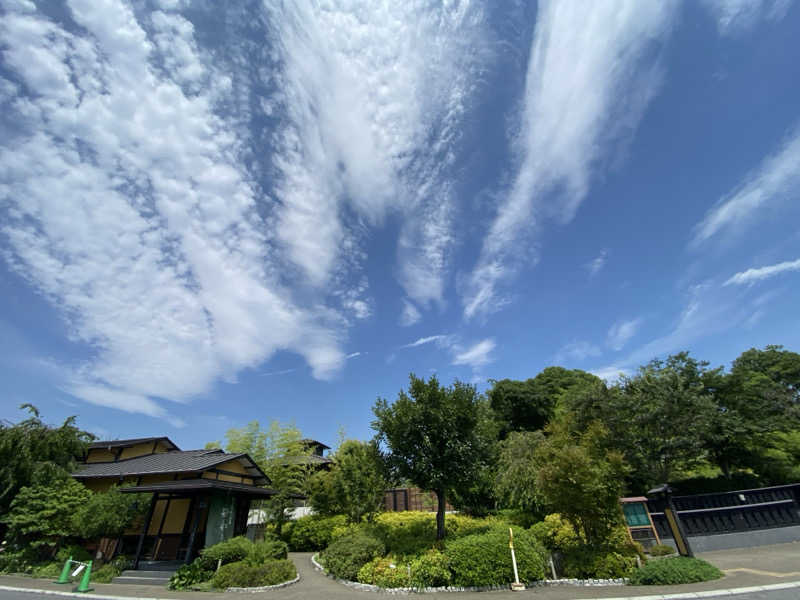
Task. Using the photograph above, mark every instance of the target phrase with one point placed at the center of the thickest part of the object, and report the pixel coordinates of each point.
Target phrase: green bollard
(84, 584)
(64, 577)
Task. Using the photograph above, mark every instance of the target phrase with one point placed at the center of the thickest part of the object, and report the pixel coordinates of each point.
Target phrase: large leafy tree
(33, 453)
(576, 476)
(432, 436)
(282, 455)
(757, 408)
(529, 405)
(517, 470)
(42, 517)
(355, 484)
(659, 418)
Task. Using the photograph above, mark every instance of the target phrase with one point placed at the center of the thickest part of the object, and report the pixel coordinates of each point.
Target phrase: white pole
(516, 586)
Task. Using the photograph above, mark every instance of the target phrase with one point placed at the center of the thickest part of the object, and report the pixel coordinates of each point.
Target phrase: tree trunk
(440, 498)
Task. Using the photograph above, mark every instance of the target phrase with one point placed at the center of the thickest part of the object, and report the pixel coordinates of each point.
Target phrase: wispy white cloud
(611, 373)
(410, 314)
(440, 340)
(736, 16)
(592, 71)
(751, 276)
(373, 93)
(127, 206)
(477, 355)
(777, 179)
(621, 332)
(577, 351)
(597, 264)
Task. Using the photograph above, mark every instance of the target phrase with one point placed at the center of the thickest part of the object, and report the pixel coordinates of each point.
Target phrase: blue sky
(264, 210)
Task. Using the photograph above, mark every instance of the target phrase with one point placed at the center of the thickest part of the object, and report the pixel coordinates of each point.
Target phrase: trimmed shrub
(409, 533)
(311, 533)
(386, 572)
(345, 557)
(188, 575)
(265, 550)
(661, 550)
(228, 551)
(484, 559)
(105, 573)
(432, 569)
(587, 563)
(47, 570)
(75, 551)
(242, 574)
(406, 533)
(674, 571)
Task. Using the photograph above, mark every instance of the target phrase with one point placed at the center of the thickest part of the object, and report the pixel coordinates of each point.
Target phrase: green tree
(781, 366)
(517, 471)
(578, 478)
(355, 484)
(284, 458)
(529, 405)
(659, 418)
(110, 514)
(43, 517)
(757, 407)
(432, 437)
(34, 452)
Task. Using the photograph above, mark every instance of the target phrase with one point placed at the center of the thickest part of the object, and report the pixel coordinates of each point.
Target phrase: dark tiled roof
(180, 461)
(190, 485)
(130, 442)
(310, 442)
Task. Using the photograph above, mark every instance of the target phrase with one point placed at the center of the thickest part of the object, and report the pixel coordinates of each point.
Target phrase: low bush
(674, 571)
(72, 550)
(661, 550)
(484, 559)
(267, 549)
(243, 574)
(588, 563)
(345, 557)
(228, 551)
(431, 569)
(311, 533)
(106, 573)
(47, 570)
(386, 572)
(410, 533)
(615, 558)
(190, 575)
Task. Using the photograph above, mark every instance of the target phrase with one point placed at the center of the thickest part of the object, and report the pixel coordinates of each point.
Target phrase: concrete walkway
(744, 568)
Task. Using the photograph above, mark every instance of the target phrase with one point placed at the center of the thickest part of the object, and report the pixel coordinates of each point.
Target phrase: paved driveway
(744, 568)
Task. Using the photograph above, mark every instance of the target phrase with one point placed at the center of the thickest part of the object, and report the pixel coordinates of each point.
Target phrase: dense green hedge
(485, 559)
(243, 574)
(345, 556)
(311, 533)
(673, 571)
(237, 550)
(431, 569)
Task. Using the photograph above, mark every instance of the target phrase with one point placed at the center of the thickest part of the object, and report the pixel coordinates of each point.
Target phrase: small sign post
(516, 586)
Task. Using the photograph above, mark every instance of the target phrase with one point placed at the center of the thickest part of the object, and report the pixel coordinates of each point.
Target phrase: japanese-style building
(199, 497)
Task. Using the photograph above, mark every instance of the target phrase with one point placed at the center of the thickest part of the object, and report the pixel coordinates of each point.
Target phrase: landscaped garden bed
(399, 551)
(237, 564)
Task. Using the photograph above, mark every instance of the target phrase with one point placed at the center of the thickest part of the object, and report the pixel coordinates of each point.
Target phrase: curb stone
(367, 587)
(263, 588)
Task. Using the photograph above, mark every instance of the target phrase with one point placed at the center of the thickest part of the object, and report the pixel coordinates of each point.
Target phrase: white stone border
(263, 588)
(367, 587)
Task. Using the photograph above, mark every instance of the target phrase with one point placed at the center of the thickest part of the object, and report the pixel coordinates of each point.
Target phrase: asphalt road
(790, 594)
